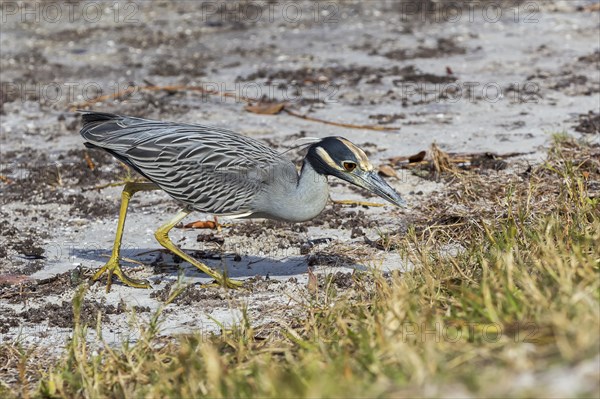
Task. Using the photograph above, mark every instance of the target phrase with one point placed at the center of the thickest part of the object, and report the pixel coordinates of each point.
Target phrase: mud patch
(191, 295)
(593, 58)
(444, 47)
(8, 319)
(21, 250)
(414, 75)
(43, 180)
(61, 315)
(573, 79)
(44, 288)
(384, 119)
(589, 123)
(336, 75)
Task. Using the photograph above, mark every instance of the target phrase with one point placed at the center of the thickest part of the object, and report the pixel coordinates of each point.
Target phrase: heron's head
(338, 157)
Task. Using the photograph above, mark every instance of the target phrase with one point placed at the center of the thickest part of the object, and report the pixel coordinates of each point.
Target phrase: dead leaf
(388, 171)
(411, 159)
(201, 224)
(265, 108)
(89, 161)
(417, 157)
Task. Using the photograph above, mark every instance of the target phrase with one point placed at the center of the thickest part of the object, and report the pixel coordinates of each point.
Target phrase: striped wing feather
(209, 169)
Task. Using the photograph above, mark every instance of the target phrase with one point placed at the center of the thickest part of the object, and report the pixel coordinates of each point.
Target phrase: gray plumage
(218, 171)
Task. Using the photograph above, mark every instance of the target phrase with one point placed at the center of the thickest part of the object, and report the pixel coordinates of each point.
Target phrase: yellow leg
(162, 236)
(112, 266)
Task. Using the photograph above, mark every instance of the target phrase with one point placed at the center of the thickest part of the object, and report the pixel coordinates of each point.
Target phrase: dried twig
(132, 89)
(347, 125)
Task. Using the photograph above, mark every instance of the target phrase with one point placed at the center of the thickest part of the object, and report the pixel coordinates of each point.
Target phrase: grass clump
(503, 300)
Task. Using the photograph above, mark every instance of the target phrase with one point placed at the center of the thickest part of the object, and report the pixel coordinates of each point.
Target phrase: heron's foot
(112, 267)
(224, 282)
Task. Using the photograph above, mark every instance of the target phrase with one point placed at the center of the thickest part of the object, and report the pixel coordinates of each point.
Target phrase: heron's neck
(310, 182)
(302, 200)
(311, 195)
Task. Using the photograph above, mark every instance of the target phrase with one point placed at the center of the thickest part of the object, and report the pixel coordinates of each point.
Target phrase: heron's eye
(349, 166)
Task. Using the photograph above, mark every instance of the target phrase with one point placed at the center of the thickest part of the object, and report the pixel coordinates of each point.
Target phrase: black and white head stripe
(328, 156)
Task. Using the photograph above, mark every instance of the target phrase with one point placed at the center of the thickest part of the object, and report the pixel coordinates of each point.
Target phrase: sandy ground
(472, 83)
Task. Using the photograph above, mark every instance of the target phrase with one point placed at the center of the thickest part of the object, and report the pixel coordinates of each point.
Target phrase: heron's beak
(375, 184)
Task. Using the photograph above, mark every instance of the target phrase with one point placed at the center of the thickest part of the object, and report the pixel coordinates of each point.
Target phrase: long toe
(233, 283)
(136, 283)
(130, 281)
(101, 271)
(228, 283)
(112, 267)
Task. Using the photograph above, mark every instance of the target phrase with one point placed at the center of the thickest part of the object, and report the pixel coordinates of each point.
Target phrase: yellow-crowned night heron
(221, 172)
